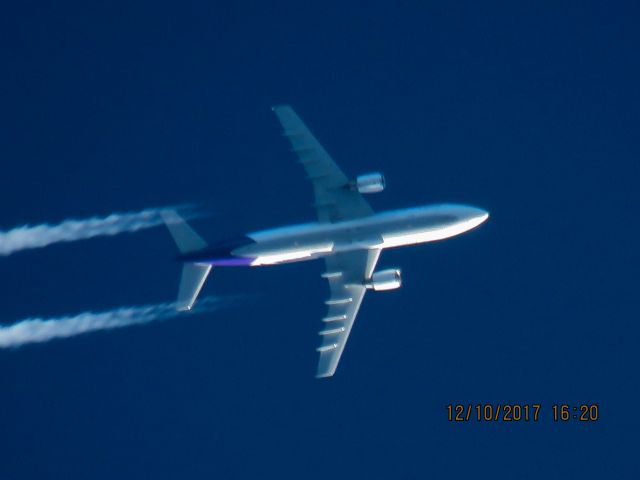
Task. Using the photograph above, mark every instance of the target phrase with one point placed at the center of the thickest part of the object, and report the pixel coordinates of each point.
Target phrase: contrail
(37, 236)
(38, 330)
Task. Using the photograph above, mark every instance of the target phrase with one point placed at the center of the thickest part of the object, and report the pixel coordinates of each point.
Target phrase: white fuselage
(383, 230)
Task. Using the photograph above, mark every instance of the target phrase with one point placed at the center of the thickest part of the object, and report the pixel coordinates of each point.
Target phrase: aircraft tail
(193, 275)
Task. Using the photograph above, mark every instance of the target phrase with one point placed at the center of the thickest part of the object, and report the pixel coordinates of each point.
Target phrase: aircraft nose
(479, 214)
(474, 215)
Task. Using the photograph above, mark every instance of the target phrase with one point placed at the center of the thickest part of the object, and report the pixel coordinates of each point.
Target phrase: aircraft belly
(284, 251)
(432, 234)
(310, 241)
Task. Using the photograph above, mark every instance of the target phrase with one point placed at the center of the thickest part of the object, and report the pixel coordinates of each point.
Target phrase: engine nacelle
(370, 183)
(385, 280)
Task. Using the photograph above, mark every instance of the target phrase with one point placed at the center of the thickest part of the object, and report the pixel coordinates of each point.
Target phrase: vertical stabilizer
(193, 275)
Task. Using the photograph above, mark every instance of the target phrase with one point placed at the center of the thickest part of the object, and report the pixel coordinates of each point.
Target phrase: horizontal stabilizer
(193, 275)
(184, 236)
(193, 278)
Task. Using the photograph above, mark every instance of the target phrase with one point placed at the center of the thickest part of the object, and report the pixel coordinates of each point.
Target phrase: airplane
(348, 235)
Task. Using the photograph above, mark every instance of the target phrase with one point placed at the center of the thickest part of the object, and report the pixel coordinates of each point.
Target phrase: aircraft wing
(346, 273)
(334, 200)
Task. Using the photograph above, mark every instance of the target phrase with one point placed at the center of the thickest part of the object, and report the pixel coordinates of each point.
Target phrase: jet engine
(385, 280)
(369, 183)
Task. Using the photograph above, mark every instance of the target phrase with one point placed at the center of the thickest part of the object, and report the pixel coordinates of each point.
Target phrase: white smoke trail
(38, 330)
(25, 237)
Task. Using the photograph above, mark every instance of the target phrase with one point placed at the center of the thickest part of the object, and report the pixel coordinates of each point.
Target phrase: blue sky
(528, 111)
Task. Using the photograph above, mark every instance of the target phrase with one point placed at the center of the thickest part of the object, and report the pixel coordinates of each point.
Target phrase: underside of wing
(346, 273)
(334, 199)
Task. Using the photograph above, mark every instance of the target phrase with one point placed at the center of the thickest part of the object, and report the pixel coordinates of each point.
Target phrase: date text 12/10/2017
(517, 412)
